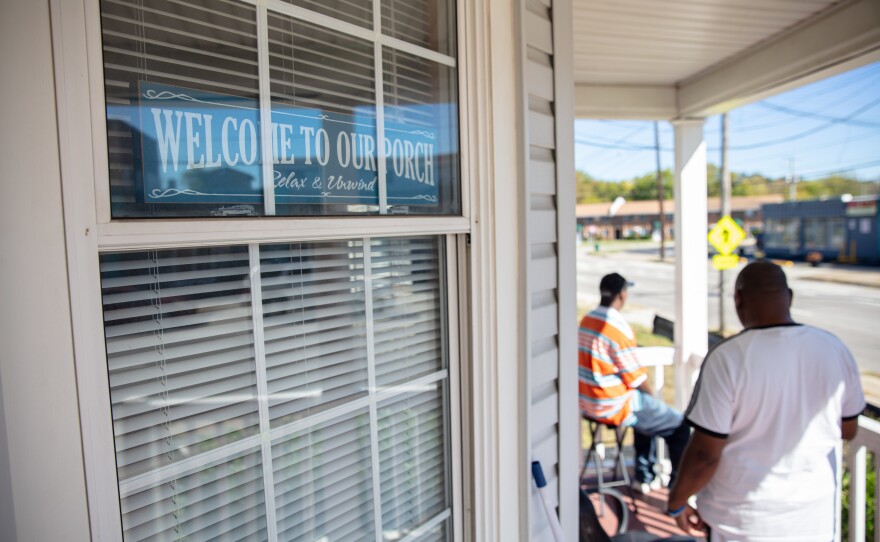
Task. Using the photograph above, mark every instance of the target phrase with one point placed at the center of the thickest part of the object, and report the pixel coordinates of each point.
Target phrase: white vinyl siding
(349, 440)
(548, 251)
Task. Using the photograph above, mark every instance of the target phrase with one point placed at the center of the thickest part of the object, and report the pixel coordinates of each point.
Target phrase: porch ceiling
(650, 59)
(650, 42)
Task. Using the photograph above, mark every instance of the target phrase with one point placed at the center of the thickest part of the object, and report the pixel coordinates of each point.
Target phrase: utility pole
(792, 180)
(660, 193)
(725, 211)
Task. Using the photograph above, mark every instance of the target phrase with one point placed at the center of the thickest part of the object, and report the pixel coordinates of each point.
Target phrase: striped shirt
(608, 370)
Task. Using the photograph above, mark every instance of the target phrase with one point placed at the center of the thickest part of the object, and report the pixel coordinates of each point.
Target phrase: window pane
(163, 58)
(427, 23)
(314, 321)
(185, 366)
(223, 500)
(358, 12)
(180, 352)
(184, 122)
(407, 301)
(412, 454)
(323, 481)
(324, 111)
(421, 113)
(836, 233)
(814, 233)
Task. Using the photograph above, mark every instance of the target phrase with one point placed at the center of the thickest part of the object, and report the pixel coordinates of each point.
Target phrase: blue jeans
(656, 419)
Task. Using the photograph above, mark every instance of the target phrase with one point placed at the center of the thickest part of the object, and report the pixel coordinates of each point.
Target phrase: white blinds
(323, 489)
(196, 454)
(406, 309)
(180, 353)
(359, 12)
(314, 319)
(427, 23)
(222, 501)
(208, 45)
(412, 453)
(317, 68)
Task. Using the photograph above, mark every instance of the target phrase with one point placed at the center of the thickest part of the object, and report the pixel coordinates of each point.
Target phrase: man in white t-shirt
(769, 409)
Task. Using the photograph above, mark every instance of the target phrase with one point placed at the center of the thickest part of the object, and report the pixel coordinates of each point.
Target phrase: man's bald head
(762, 295)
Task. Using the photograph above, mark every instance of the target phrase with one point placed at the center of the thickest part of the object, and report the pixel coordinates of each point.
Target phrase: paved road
(851, 312)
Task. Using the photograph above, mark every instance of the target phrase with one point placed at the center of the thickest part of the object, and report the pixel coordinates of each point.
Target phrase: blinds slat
(295, 351)
(176, 379)
(308, 341)
(122, 360)
(142, 444)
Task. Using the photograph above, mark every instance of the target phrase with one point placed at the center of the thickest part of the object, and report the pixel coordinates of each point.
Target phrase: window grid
(380, 40)
(382, 166)
(371, 377)
(169, 474)
(262, 390)
(265, 109)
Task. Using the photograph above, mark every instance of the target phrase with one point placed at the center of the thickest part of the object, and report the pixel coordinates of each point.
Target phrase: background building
(637, 219)
(842, 229)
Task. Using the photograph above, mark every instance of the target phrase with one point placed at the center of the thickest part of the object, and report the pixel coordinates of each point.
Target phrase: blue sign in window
(201, 147)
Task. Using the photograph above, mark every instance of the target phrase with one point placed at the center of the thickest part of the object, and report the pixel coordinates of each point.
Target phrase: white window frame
(90, 231)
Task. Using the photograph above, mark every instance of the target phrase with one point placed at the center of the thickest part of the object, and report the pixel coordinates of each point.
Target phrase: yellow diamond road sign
(726, 235)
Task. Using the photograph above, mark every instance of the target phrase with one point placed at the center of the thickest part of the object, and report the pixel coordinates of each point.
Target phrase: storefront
(840, 229)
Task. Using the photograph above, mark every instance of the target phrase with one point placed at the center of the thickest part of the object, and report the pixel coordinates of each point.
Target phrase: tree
(644, 187)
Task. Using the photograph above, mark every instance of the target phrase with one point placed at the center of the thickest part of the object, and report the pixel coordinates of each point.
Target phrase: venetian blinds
(291, 391)
(205, 45)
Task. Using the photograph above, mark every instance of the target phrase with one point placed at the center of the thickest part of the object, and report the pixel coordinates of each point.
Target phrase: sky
(830, 126)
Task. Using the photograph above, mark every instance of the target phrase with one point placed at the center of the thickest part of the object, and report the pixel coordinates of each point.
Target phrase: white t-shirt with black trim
(777, 394)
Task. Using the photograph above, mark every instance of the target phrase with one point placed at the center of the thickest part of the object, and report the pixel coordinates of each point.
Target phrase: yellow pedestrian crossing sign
(725, 261)
(726, 235)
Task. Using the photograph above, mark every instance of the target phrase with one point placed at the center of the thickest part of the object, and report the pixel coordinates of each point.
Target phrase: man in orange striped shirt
(614, 386)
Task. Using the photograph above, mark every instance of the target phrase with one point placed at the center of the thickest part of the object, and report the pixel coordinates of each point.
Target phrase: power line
(809, 132)
(821, 172)
(800, 150)
(834, 84)
(871, 84)
(818, 116)
(632, 147)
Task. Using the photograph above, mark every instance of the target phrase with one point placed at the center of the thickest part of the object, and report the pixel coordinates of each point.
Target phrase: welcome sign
(200, 147)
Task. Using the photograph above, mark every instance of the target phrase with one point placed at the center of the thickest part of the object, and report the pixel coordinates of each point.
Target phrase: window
(836, 233)
(287, 391)
(783, 234)
(815, 234)
(218, 108)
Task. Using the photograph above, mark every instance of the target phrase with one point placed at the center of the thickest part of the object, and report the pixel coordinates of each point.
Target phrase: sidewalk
(844, 274)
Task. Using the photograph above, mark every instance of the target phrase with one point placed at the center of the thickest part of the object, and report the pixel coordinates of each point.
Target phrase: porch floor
(648, 514)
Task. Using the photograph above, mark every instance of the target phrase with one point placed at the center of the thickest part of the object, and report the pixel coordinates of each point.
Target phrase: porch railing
(855, 461)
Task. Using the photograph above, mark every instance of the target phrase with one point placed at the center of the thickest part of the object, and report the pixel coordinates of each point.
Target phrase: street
(852, 312)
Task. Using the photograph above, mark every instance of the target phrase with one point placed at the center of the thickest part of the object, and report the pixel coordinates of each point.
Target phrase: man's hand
(690, 521)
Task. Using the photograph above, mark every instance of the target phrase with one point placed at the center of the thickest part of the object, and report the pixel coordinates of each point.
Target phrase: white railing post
(855, 460)
(857, 485)
(838, 493)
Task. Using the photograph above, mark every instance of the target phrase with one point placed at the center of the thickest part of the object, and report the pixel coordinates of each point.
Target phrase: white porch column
(691, 278)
